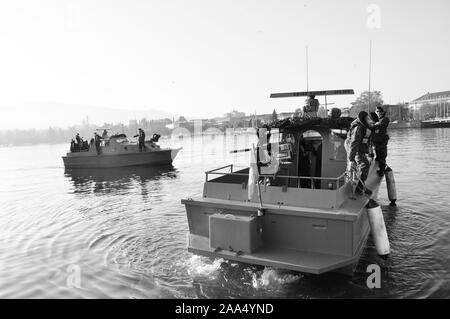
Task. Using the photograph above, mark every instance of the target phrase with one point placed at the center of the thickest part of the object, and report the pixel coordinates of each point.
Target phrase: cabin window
(337, 149)
(310, 158)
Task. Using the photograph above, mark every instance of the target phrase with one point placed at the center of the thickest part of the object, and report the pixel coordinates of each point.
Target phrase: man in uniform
(380, 139)
(141, 140)
(97, 140)
(357, 147)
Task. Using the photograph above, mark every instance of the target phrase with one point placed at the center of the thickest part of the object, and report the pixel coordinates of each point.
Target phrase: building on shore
(400, 112)
(432, 105)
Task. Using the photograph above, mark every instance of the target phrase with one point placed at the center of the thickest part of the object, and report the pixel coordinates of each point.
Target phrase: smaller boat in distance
(118, 151)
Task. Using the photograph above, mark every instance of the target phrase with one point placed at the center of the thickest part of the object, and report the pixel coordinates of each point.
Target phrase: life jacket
(366, 137)
(380, 132)
(141, 136)
(358, 127)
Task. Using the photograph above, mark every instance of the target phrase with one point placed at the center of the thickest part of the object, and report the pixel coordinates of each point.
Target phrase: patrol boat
(304, 216)
(119, 151)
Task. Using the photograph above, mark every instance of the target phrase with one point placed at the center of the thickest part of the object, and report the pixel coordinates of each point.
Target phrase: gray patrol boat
(304, 217)
(119, 151)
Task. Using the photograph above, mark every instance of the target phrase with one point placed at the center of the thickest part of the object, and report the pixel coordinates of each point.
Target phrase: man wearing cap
(380, 139)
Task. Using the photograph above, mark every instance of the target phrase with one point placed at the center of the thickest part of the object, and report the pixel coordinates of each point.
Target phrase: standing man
(78, 138)
(97, 141)
(380, 139)
(357, 147)
(141, 136)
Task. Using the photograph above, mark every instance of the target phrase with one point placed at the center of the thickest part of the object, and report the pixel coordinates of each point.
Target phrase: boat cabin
(311, 170)
(316, 153)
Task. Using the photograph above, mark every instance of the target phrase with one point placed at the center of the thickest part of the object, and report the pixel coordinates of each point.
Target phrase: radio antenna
(370, 71)
(307, 80)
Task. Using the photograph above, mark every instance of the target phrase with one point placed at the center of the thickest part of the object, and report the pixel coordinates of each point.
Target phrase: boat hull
(291, 239)
(304, 239)
(436, 124)
(89, 160)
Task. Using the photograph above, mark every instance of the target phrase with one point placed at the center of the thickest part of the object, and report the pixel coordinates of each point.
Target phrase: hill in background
(44, 115)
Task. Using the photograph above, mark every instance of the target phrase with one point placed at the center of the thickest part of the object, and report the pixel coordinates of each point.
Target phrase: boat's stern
(287, 236)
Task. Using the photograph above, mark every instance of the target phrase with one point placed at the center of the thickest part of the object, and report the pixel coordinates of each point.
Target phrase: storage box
(235, 233)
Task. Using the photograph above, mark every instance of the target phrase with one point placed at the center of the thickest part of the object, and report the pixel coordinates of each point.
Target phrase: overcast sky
(202, 58)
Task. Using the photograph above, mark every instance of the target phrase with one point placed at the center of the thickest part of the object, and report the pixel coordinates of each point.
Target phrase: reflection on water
(122, 232)
(117, 179)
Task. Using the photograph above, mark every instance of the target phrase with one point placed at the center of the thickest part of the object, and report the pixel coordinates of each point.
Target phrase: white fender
(390, 184)
(378, 228)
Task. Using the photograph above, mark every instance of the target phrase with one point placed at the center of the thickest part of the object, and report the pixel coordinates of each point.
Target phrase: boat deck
(303, 261)
(349, 210)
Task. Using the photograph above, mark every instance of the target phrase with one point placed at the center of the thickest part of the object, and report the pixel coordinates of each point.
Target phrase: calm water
(122, 233)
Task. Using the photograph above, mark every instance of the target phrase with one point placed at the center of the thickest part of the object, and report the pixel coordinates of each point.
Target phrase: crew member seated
(311, 107)
(85, 146)
(79, 145)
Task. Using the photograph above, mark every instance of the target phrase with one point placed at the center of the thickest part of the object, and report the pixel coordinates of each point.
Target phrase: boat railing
(332, 182)
(79, 150)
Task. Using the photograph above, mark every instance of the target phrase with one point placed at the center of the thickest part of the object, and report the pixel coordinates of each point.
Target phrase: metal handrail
(79, 151)
(336, 180)
(214, 170)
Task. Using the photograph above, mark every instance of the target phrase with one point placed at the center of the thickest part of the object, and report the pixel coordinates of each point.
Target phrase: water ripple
(124, 230)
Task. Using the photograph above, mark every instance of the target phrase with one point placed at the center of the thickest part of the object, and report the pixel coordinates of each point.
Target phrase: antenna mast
(307, 83)
(370, 70)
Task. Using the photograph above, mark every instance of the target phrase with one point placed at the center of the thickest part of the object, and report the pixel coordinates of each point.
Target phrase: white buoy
(378, 228)
(390, 184)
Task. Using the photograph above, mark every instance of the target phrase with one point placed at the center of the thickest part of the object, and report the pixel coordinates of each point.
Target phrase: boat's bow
(174, 152)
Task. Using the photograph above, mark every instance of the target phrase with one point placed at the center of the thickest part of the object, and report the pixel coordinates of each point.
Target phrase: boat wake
(198, 266)
(270, 277)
